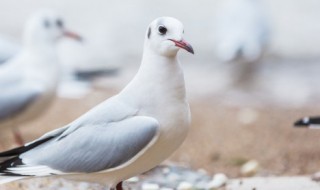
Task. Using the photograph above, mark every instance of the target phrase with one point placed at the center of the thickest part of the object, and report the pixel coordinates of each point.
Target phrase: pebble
(250, 168)
(185, 186)
(247, 116)
(218, 181)
(150, 186)
(316, 176)
(133, 180)
(165, 170)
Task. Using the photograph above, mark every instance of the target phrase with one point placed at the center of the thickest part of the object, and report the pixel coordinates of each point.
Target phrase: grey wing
(91, 148)
(14, 99)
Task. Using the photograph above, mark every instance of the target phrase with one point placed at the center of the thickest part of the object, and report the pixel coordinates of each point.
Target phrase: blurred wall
(119, 26)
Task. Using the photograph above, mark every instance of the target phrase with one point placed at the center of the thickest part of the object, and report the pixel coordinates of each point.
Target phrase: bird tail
(7, 179)
(308, 122)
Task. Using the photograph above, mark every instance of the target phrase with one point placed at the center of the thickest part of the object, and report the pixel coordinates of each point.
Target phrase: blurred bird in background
(308, 122)
(242, 35)
(8, 48)
(28, 81)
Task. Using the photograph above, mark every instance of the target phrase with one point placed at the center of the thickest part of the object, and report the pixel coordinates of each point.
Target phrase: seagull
(8, 48)
(28, 80)
(127, 134)
(308, 122)
(242, 35)
(242, 30)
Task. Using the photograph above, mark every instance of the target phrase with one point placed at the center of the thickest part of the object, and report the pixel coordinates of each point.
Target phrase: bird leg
(17, 137)
(119, 186)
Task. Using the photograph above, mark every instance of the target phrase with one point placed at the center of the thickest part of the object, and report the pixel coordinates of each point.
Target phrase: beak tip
(73, 36)
(184, 45)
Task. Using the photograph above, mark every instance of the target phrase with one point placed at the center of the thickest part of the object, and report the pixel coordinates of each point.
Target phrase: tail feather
(309, 122)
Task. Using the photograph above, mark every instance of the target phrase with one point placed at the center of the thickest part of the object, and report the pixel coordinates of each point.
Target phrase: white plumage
(125, 135)
(242, 30)
(28, 80)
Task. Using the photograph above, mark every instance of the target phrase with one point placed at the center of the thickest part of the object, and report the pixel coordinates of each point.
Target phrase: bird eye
(162, 30)
(46, 23)
(59, 23)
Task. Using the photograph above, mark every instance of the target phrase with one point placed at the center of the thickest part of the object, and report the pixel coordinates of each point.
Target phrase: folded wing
(90, 148)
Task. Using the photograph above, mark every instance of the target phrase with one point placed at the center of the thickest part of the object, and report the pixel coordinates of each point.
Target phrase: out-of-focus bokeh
(232, 122)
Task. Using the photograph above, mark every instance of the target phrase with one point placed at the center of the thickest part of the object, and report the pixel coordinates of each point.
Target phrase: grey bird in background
(28, 81)
(242, 35)
(308, 122)
(124, 136)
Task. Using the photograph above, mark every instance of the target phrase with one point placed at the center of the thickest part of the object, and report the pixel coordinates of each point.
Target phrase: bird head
(165, 37)
(46, 27)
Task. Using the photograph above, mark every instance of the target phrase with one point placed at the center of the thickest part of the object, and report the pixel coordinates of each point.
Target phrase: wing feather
(87, 149)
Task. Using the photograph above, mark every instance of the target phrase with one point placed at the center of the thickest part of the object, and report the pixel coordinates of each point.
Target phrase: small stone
(185, 186)
(218, 181)
(247, 116)
(250, 168)
(173, 177)
(316, 176)
(150, 186)
(133, 180)
(165, 170)
(202, 171)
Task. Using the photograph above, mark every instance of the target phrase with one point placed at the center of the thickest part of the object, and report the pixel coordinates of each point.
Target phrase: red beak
(72, 35)
(184, 45)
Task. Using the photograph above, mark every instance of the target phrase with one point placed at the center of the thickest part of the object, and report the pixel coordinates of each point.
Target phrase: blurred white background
(120, 25)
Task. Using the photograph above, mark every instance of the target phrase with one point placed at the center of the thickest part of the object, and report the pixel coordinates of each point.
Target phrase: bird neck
(159, 77)
(41, 44)
(40, 64)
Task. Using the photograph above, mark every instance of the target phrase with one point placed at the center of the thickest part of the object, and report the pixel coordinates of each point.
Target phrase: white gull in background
(242, 30)
(8, 48)
(84, 63)
(242, 35)
(28, 81)
(125, 135)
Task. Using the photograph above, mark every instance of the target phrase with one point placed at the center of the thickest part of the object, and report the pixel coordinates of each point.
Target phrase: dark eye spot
(162, 30)
(59, 23)
(46, 24)
(149, 32)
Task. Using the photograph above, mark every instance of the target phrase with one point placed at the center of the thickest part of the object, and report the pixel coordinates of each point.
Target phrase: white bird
(8, 48)
(242, 35)
(308, 122)
(28, 80)
(242, 30)
(125, 135)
